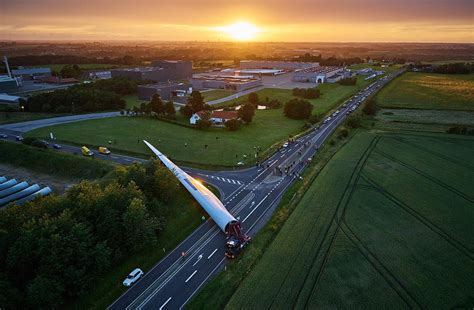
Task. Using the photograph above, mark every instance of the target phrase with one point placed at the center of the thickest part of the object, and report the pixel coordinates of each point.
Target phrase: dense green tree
(196, 101)
(246, 112)
(253, 98)
(69, 71)
(233, 124)
(186, 111)
(204, 122)
(298, 109)
(170, 111)
(139, 226)
(348, 81)
(370, 107)
(156, 105)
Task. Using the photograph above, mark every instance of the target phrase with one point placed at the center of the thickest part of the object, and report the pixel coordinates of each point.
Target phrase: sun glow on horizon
(240, 31)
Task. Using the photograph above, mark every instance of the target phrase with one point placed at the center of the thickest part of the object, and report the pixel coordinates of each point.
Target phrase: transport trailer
(236, 239)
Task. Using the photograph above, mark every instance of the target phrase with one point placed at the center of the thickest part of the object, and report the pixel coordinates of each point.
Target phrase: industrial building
(282, 65)
(176, 69)
(31, 73)
(167, 91)
(260, 72)
(228, 82)
(8, 84)
(160, 71)
(10, 100)
(319, 74)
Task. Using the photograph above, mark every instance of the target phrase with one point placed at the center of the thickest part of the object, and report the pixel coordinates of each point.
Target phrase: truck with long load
(236, 239)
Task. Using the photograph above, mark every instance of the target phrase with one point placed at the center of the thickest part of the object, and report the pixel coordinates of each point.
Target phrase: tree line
(98, 96)
(34, 60)
(54, 248)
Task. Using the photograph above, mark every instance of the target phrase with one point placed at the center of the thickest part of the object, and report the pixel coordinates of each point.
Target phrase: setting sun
(241, 31)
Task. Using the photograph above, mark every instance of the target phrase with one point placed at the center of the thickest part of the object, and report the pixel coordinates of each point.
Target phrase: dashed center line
(213, 252)
(163, 305)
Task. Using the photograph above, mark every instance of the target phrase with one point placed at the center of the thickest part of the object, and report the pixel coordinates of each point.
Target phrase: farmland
(388, 221)
(184, 144)
(429, 91)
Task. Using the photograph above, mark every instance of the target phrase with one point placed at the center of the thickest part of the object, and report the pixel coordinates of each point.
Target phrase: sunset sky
(273, 20)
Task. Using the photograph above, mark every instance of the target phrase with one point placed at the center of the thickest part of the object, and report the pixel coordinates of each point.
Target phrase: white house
(216, 117)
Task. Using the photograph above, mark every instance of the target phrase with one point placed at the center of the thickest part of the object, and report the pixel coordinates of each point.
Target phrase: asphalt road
(251, 195)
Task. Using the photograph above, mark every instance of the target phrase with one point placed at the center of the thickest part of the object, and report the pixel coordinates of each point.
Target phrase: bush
(313, 119)
(370, 107)
(353, 121)
(460, 130)
(348, 81)
(343, 133)
(186, 111)
(298, 109)
(203, 124)
(35, 142)
(233, 124)
(307, 93)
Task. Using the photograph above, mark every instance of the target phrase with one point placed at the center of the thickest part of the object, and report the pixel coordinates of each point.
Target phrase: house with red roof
(216, 117)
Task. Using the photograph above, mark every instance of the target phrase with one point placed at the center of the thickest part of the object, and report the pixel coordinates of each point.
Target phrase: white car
(286, 144)
(133, 277)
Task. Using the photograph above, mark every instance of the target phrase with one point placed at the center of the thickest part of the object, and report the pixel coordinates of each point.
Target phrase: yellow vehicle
(86, 152)
(104, 150)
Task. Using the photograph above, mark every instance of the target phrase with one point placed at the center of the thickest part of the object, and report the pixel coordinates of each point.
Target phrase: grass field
(387, 223)
(215, 94)
(267, 128)
(429, 91)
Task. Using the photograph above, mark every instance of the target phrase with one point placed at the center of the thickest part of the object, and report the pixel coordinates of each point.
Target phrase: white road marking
(189, 278)
(199, 258)
(163, 305)
(213, 252)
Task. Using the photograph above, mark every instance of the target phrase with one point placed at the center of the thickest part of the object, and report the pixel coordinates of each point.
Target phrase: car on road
(285, 144)
(86, 152)
(19, 138)
(104, 150)
(133, 277)
(57, 146)
(3, 136)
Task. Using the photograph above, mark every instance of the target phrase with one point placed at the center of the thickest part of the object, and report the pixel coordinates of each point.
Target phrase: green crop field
(267, 128)
(386, 224)
(215, 94)
(426, 116)
(429, 91)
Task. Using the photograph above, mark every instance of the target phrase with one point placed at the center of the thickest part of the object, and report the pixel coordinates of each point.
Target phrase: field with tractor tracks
(387, 223)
